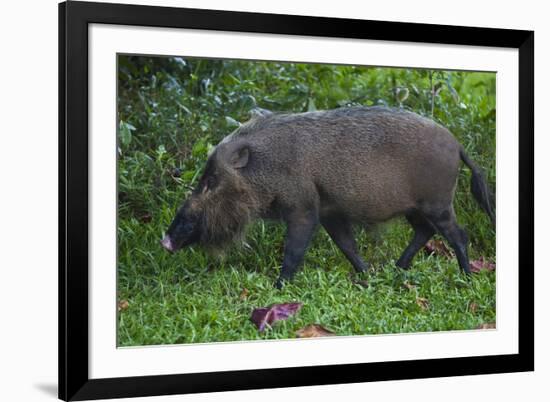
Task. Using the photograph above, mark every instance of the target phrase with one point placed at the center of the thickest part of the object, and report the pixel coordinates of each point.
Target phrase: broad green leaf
(231, 122)
(125, 132)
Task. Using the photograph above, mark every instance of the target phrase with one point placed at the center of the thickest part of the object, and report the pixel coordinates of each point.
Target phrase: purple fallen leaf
(268, 315)
(482, 264)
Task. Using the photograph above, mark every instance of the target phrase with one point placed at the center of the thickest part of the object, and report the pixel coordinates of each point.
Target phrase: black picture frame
(74, 381)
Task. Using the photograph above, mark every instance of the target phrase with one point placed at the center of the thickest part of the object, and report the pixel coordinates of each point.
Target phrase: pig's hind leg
(341, 232)
(445, 222)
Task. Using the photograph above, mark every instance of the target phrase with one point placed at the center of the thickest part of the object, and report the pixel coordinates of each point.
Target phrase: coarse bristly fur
(226, 212)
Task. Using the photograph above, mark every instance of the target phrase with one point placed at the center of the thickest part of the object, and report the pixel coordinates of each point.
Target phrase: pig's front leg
(300, 229)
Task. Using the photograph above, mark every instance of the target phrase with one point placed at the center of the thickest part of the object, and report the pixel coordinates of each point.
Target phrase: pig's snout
(167, 243)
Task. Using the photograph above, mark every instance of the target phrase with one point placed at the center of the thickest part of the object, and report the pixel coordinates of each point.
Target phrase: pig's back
(367, 163)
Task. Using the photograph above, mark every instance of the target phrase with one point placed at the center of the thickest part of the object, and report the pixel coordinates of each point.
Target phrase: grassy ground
(172, 110)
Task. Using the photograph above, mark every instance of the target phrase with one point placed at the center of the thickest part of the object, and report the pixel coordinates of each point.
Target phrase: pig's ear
(239, 157)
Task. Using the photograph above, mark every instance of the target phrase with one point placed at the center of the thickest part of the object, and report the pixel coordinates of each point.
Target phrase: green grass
(172, 111)
(192, 297)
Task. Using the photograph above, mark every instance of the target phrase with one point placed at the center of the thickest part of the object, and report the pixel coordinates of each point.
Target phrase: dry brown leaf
(313, 331)
(481, 264)
(490, 325)
(438, 247)
(123, 305)
(146, 218)
(244, 294)
(423, 303)
(363, 282)
(473, 307)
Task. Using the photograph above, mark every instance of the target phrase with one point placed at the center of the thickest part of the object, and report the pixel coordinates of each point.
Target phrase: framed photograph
(258, 200)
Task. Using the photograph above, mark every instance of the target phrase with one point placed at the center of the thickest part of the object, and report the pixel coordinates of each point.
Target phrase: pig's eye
(210, 184)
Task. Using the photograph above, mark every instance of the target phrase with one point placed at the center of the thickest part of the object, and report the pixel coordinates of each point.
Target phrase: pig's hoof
(279, 284)
(403, 265)
(467, 274)
(363, 268)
